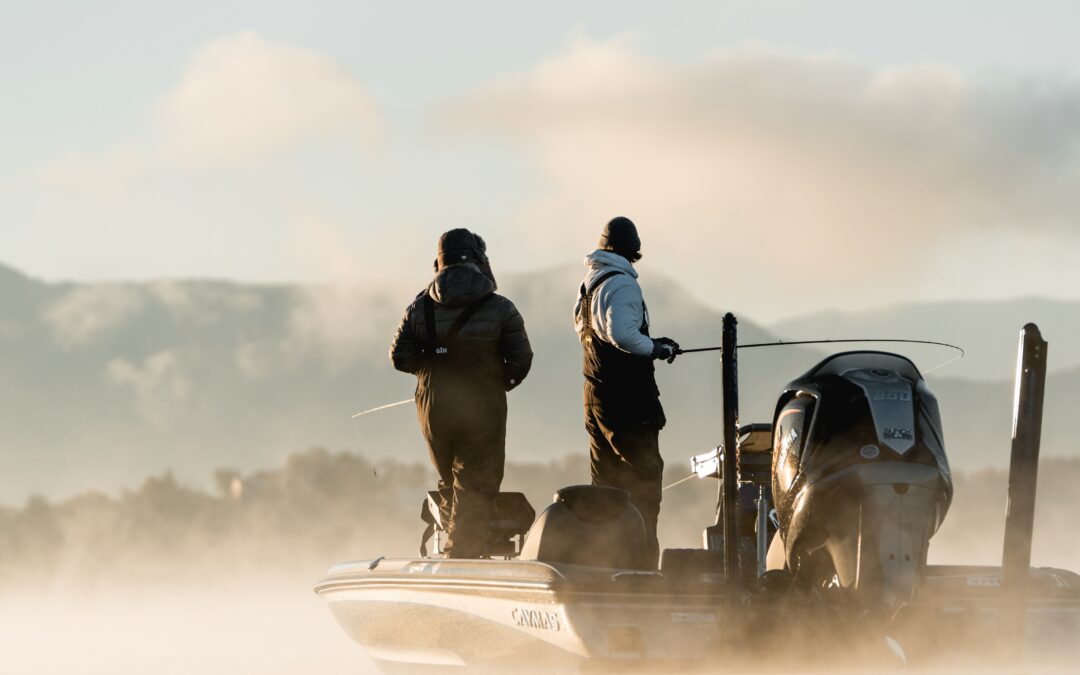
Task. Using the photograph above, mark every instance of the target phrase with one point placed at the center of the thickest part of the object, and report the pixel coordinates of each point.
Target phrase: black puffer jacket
(490, 355)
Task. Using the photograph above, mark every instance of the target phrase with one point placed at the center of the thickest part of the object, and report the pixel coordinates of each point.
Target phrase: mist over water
(261, 631)
(167, 578)
(282, 629)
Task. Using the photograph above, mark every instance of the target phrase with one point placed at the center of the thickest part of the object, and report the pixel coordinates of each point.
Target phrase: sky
(778, 157)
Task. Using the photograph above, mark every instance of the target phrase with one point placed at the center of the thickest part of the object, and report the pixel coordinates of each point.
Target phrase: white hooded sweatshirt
(618, 308)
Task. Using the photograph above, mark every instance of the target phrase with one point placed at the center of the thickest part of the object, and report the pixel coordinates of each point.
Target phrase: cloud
(341, 323)
(252, 139)
(88, 311)
(204, 302)
(243, 97)
(241, 101)
(159, 384)
(758, 170)
(777, 165)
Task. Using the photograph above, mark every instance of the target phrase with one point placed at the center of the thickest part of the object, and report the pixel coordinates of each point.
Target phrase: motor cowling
(860, 478)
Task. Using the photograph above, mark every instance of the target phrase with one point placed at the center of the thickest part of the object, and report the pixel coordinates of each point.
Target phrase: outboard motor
(860, 477)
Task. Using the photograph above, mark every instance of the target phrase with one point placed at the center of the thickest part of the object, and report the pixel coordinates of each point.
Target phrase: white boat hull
(536, 616)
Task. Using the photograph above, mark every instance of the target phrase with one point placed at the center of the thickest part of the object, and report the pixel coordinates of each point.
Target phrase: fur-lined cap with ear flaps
(460, 246)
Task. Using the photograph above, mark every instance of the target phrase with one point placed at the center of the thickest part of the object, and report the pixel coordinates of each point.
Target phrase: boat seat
(512, 517)
(589, 525)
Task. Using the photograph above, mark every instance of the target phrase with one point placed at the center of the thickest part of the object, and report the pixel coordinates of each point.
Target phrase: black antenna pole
(1023, 477)
(729, 475)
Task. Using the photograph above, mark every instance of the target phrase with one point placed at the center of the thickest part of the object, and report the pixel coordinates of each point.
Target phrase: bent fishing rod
(783, 343)
(787, 343)
(829, 341)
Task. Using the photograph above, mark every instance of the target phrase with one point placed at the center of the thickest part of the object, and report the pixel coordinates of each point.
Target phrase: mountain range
(104, 383)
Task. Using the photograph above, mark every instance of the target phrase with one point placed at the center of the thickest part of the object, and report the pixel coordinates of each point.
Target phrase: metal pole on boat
(1023, 477)
(729, 476)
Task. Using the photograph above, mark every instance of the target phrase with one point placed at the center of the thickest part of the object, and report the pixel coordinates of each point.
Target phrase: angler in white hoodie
(623, 414)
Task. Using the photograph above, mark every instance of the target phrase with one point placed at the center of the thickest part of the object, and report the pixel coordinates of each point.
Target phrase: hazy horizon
(415, 279)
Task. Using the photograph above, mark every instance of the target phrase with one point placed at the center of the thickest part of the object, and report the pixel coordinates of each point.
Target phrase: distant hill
(105, 383)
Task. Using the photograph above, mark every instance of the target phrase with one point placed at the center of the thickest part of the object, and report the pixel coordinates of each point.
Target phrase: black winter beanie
(620, 236)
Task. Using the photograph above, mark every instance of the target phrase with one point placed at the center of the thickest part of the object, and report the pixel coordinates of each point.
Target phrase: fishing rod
(782, 343)
(383, 407)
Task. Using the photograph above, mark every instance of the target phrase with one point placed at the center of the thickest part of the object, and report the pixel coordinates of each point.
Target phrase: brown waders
(467, 347)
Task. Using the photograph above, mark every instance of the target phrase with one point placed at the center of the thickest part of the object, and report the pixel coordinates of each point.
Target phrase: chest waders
(463, 418)
(623, 417)
(622, 386)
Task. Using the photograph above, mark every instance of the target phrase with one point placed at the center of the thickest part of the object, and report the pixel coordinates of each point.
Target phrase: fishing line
(942, 365)
(679, 482)
(356, 428)
(360, 444)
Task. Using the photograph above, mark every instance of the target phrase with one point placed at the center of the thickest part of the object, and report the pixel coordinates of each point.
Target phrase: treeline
(322, 507)
(319, 506)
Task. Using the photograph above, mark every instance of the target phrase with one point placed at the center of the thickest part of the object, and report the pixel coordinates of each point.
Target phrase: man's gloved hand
(665, 348)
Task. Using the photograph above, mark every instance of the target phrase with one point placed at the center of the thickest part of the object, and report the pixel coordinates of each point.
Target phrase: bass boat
(817, 558)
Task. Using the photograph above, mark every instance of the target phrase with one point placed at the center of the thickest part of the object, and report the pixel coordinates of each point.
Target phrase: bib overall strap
(431, 338)
(586, 302)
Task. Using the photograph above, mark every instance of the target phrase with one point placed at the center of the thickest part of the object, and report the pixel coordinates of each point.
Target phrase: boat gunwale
(469, 574)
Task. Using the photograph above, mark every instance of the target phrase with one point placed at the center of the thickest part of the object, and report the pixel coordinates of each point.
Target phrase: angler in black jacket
(467, 347)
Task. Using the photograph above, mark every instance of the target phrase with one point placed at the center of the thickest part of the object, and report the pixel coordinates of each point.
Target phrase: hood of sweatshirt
(458, 285)
(600, 262)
